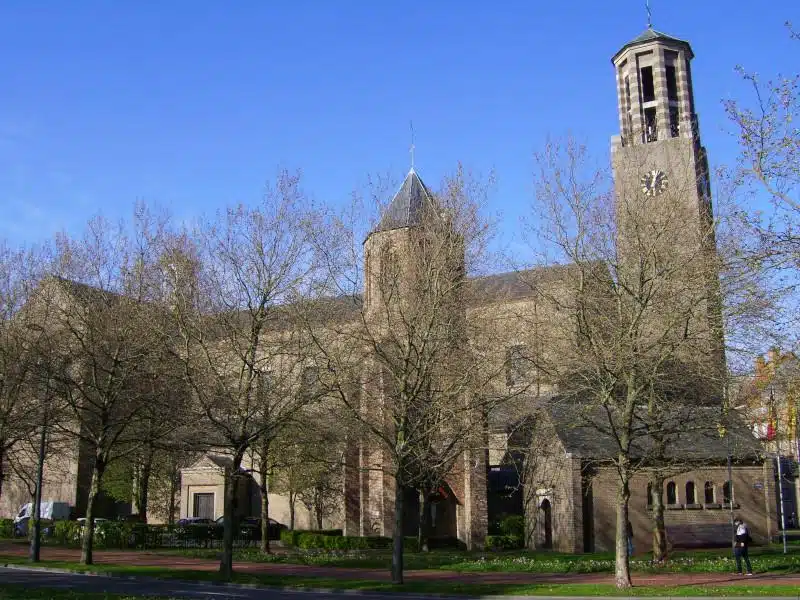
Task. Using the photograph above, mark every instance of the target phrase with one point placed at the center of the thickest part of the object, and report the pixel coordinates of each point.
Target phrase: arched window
(726, 492)
(649, 494)
(672, 493)
(690, 495)
(708, 492)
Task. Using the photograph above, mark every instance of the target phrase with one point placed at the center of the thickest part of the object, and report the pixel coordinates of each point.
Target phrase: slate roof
(514, 284)
(650, 35)
(408, 204)
(693, 434)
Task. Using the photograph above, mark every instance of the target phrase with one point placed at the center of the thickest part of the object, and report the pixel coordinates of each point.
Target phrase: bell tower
(658, 147)
(662, 189)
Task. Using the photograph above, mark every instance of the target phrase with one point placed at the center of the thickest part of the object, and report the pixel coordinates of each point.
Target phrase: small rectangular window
(203, 506)
(518, 366)
(648, 88)
(650, 125)
(674, 122)
(690, 493)
(672, 495)
(309, 381)
(672, 83)
(708, 494)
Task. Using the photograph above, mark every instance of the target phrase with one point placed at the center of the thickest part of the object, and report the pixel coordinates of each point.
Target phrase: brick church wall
(706, 525)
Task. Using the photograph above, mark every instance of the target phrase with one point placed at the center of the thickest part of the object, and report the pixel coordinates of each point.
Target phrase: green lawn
(416, 587)
(768, 559)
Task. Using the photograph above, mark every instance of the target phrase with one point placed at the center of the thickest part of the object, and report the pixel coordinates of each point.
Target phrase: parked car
(195, 531)
(193, 521)
(250, 528)
(99, 522)
(22, 524)
(49, 511)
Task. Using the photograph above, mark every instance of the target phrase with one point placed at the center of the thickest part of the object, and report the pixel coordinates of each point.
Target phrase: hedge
(513, 525)
(503, 542)
(6, 528)
(321, 540)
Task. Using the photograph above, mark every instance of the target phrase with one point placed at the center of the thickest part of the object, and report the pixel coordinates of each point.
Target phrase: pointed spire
(407, 205)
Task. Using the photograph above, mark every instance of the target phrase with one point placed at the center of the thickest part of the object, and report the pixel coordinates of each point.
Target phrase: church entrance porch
(441, 520)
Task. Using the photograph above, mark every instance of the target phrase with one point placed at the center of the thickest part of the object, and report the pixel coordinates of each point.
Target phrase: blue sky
(195, 104)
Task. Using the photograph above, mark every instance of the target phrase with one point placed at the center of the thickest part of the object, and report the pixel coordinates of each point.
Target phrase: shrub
(513, 525)
(289, 537)
(330, 532)
(313, 540)
(309, 540)
(67, 532)
(503, 542)
(6, 528)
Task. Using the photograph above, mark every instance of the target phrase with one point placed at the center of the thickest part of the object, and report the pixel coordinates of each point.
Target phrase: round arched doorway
(546, 520)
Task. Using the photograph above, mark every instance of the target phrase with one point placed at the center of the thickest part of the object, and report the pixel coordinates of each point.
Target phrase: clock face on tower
(654, 183)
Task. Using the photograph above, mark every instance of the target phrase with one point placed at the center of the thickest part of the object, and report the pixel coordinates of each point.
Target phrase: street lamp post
(730, 489)
(36, 540)
(780, 499)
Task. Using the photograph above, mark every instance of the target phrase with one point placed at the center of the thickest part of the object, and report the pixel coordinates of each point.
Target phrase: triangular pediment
(211, 461)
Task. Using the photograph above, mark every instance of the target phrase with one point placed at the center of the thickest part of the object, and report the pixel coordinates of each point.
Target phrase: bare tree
(233, 281)
(643, 307)
(309, 467)
(403, 359)
(109, 335)
(20, 273)
(769, 164)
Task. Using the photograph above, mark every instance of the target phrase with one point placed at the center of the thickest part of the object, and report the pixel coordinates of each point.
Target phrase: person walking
(742, 544)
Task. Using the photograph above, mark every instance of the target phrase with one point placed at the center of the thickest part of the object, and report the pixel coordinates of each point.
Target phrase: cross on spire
(649, 14)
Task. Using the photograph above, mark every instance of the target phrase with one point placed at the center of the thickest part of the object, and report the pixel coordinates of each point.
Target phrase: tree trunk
(424, 520)
(173, 492)
(36, 540)
(292, 500)
(622, 575)
(2, 472)
(228, 519)
(659, 528)
(318, 507)
(143, 489)
(87, 542)
(397, 545)
(263, 472)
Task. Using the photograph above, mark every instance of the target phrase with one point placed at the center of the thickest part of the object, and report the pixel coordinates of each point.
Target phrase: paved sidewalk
(153, 559)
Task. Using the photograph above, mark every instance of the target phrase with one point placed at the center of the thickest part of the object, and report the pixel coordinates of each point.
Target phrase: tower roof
(408, 204)
(651, 35)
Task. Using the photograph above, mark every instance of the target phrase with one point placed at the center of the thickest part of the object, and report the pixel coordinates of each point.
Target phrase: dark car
(194, 521)
(250, 528)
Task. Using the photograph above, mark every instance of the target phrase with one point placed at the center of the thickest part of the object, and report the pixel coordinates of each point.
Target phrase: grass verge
(412, 587)
(765, 560)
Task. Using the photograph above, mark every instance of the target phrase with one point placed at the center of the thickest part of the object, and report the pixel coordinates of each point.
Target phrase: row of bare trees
(142, 339)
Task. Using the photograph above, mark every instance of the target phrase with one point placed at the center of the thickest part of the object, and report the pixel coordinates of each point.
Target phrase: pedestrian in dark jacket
(742, 544)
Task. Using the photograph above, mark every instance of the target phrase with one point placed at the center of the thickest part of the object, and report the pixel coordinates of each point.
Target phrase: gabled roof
(408, 204)
(212, 461)
(693, 434)
(651, 35)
